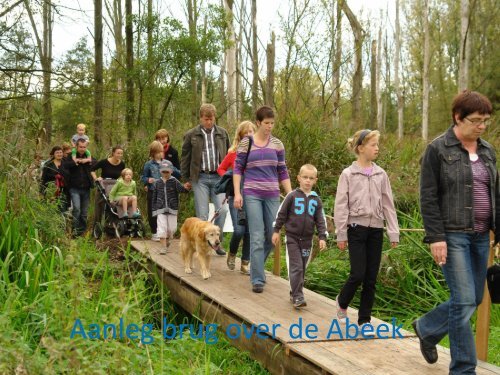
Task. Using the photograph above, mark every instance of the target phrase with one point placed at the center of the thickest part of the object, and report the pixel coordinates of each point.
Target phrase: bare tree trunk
(151, 80)
(192, 21)
(399, 93)
(336, 66)
(373, 84)
(296, 15)
(465, 46)
(385, 99)
(129, 114)
(203, 70)
(203, 82)
(222, 82)
(232, 110)
(47, 73)
(115, 13)
(45, 52)
(255, 58)
(271, 56)
(119, 44)
(239, 64)
(239, 84)
(357, 79)
(425, 78)
(98, 71)
(380, 111)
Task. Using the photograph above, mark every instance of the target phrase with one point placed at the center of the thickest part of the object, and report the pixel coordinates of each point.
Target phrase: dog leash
(217, 212)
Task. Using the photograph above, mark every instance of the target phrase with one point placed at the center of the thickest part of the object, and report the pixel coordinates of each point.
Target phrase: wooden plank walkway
(226, 298)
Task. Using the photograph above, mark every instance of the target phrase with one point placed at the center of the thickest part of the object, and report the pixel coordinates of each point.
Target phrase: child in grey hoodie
(301, 213)
(363, 201)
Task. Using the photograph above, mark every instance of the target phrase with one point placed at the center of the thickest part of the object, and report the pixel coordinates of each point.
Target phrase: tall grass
(47, 281)
(409, 283)
(45, 288)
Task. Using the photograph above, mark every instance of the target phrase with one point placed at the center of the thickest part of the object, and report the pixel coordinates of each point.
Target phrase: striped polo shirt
(209, 155)
(265, 168)
(481, 196)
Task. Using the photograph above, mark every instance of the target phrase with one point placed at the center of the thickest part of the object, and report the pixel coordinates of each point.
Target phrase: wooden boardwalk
(226, 298)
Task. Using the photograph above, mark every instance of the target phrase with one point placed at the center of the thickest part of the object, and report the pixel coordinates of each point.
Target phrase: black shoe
(428, 350)
(258, 288)
(220, 251)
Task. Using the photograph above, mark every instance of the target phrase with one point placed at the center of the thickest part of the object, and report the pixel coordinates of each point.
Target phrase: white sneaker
(369, 331)
(341, 313)
(163, 250)
(155, 238)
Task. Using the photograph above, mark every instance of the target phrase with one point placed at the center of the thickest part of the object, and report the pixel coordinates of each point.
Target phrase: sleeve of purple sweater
(282, 170)
(241, 156)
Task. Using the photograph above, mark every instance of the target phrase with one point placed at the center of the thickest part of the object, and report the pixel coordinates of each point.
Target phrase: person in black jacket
(80, 183)
(169, 152)
(111, 167)
(165, 203)
(460, 204)
(300, 213)
(53, 172)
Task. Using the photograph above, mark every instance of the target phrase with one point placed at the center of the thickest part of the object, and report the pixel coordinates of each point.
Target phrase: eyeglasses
(477, 121)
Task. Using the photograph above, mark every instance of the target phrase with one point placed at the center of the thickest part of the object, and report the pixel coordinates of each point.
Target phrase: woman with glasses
(460, 198)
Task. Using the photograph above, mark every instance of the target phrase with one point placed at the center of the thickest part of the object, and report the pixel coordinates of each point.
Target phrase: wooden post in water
(483, 315)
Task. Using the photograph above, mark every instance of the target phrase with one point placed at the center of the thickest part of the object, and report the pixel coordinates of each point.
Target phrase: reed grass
(47, 281)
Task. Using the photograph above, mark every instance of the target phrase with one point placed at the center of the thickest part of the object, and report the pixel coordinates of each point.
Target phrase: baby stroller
(111, 222)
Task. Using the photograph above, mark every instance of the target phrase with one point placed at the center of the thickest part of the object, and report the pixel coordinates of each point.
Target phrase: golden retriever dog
(199, 237)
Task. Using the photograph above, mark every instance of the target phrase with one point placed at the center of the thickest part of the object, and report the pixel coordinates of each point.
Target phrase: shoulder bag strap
(250, 141)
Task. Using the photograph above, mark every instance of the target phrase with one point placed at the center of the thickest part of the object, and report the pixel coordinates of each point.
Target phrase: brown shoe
(230, 261)
(245, 268)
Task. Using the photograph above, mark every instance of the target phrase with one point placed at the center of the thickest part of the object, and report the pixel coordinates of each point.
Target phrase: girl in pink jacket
(363, 201)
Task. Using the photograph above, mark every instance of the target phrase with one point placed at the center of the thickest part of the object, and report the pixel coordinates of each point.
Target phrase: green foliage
(45, 288)
(409, 283)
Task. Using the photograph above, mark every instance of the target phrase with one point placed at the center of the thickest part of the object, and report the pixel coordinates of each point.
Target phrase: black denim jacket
(446, 187)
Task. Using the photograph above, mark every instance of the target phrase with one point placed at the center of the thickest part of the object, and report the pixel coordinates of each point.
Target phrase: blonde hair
(161, 134)
(241, 132)
(125, 171)
(154, 148)
(361, 138)
(81, 126)
(309, 167)
(207, 109)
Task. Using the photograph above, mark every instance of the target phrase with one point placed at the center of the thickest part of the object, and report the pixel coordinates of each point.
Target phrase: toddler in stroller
(120, 218)
(124, 195)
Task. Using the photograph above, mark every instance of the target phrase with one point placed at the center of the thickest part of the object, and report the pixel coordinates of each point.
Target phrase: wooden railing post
(277, 258)
(483, 316)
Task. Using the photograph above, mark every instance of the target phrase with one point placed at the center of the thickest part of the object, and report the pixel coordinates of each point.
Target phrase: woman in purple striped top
(263, 171)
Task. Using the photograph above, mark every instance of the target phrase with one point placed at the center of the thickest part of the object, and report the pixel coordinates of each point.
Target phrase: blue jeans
(204, 190)
(80, 198)
(239, 232)
(465, 274)
(261, 214)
